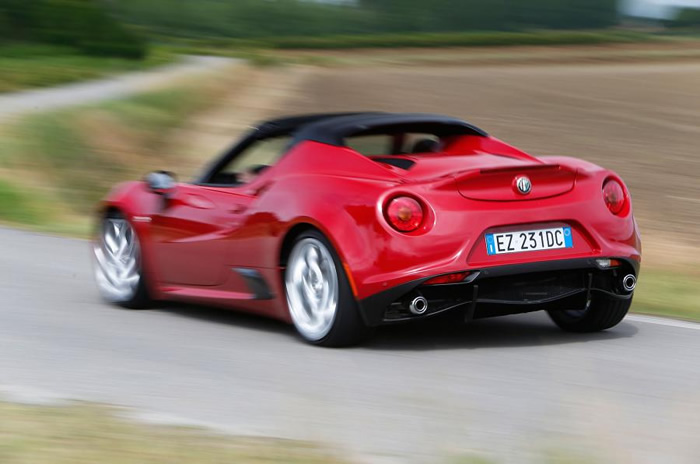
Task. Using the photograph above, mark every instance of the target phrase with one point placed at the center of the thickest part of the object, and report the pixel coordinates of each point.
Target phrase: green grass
(30, 66)
(17, 205)
(461, 39)
(668, 293)
(89, 434)
(419, 40)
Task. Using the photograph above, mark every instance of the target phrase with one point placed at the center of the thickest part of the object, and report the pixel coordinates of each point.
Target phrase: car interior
(403, 143)
(248, 161)
(251, 161)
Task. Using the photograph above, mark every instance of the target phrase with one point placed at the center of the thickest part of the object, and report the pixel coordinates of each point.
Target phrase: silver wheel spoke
(123, 246)
(132, 279)
(111, 241)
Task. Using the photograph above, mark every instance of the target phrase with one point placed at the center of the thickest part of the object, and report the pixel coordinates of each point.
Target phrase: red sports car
(339, 223)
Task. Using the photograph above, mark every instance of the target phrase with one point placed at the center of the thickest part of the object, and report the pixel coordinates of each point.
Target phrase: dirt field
(668, 50)
(642, 120)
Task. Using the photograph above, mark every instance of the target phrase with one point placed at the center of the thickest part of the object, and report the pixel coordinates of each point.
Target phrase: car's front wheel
(602, 313)
(320, 300)
(118, 266)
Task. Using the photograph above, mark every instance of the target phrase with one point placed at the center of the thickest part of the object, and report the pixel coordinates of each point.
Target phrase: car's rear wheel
(602, 313)
(321, 304)
(118, 266)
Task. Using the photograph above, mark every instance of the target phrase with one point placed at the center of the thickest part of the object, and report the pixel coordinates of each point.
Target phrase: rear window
(394, 144)
(371, 145)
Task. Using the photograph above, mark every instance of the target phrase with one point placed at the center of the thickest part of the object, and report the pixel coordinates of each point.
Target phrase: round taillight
(614, 196)
(404, 214)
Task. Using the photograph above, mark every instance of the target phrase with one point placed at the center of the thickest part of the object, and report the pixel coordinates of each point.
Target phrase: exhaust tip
(418, 306)
(629, 282)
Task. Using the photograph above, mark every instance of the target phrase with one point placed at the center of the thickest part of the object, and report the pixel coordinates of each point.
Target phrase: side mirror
(161, 183)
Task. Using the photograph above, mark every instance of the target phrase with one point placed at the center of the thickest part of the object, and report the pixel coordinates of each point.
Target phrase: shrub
(468, 39)
(688, 18)
(85, 25)
(82, 24)
(252, 19)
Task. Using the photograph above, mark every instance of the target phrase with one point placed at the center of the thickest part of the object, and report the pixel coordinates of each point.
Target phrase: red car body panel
(191, 241)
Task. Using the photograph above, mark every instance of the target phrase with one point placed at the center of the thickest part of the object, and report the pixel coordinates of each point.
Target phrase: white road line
(663, 321)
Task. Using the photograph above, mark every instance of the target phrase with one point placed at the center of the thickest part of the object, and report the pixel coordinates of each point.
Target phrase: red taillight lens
(447, 279)
(614, 196)
(404, 214)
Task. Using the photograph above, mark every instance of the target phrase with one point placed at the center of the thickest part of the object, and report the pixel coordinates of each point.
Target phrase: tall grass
(77, 155)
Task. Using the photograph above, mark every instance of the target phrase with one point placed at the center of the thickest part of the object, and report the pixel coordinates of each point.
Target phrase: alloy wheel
(117, 260)
(311, 281)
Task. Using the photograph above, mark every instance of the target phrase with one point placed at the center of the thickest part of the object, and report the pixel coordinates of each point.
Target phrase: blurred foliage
(688, 18)
(83, 24)
(245, 18)
(285, 18)
(460, 15)
(28, 65)
(454, 39)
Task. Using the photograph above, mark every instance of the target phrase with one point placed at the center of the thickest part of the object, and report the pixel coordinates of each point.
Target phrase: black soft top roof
(333, 128)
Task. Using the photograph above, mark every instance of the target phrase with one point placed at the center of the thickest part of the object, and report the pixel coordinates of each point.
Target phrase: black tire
(140, 299)
(603, 313)
(347, 328)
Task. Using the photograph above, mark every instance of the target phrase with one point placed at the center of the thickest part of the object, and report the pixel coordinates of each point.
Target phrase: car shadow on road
(526, 330)
(240, 319)
(534, 329)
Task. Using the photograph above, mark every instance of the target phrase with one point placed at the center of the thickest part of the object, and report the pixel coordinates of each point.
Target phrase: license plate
(529, 240)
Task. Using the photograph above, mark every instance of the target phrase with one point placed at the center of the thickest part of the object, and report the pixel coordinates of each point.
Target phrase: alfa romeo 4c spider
(339, 223)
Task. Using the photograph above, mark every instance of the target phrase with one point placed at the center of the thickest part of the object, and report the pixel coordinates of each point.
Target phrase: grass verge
(32, 66)
(18, 205)
(78, 434)
(668, 293)
(55, 166)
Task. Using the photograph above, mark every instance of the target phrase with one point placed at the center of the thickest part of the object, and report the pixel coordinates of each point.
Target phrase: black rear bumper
(502, 290)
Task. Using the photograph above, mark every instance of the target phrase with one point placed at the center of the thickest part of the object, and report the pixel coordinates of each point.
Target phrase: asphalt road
(511, 387)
